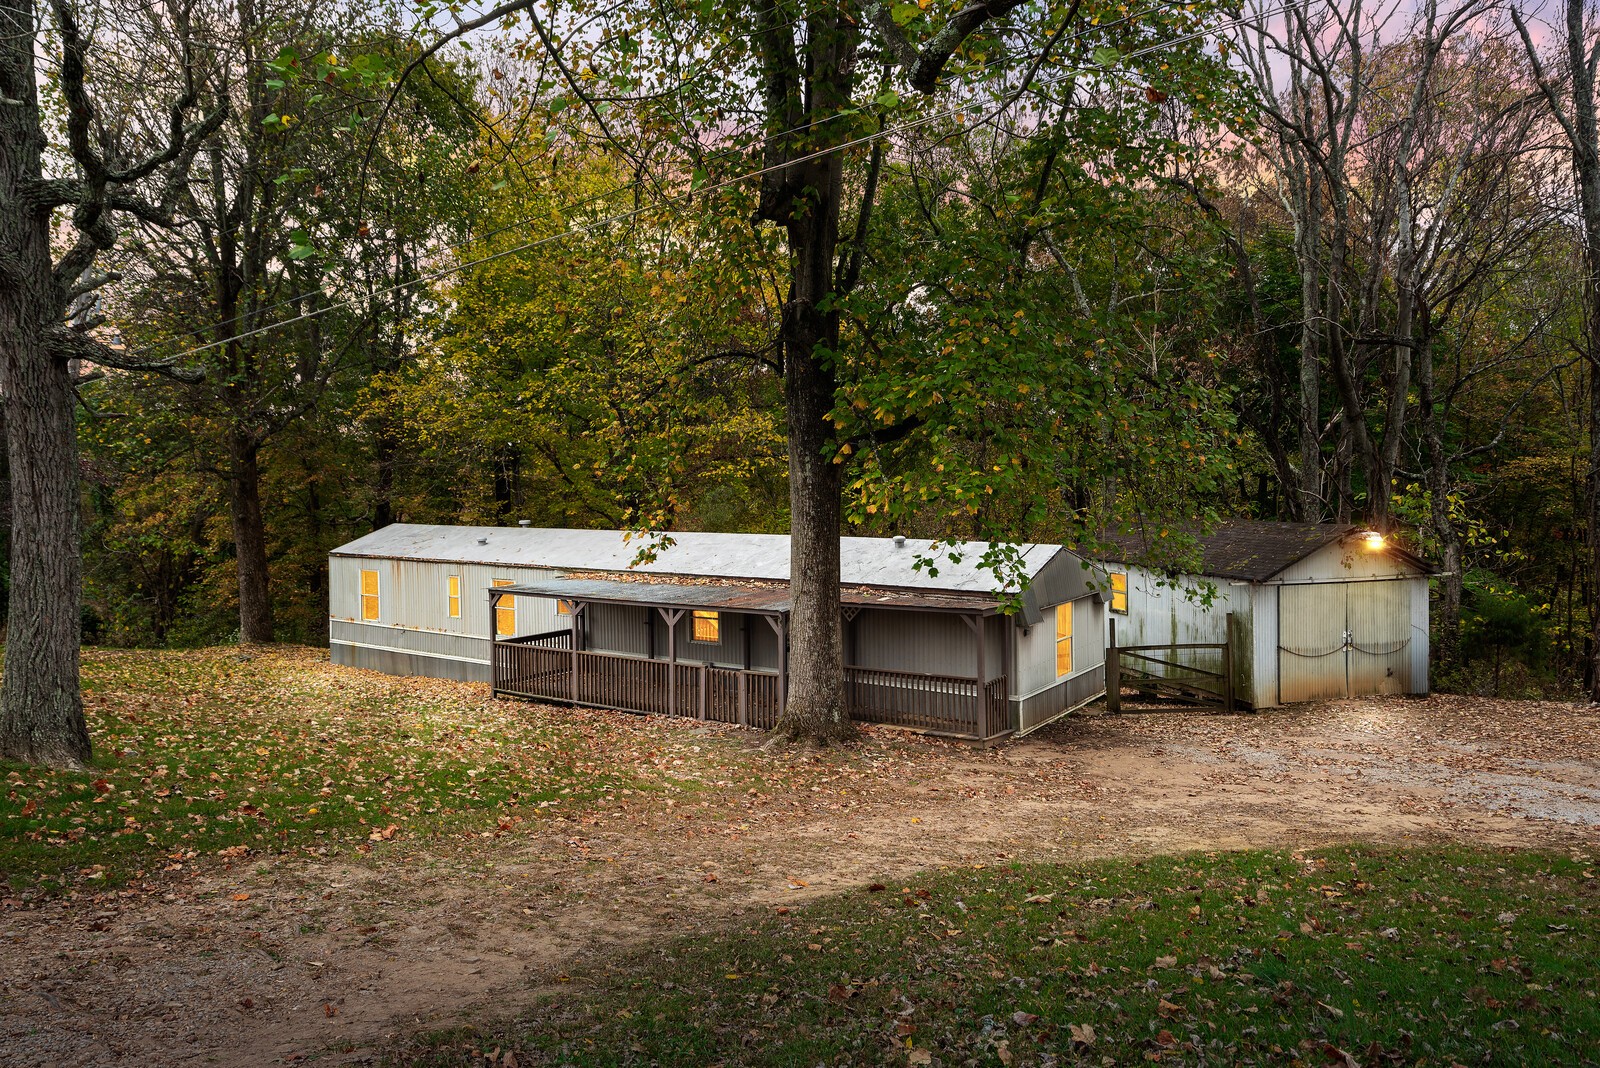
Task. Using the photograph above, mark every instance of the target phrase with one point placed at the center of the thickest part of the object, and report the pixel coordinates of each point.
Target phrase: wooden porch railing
(945, 703)
(544, 667)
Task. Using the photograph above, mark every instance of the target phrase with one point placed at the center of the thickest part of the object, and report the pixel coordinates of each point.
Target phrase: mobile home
(574, 616)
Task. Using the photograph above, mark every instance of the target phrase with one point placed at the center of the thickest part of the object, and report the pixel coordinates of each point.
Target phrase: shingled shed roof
(876, 562)
(1252, 549)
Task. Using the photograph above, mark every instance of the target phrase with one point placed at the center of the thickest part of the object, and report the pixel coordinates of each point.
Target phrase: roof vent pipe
(899, 541)
(524, 523)
(483, 541)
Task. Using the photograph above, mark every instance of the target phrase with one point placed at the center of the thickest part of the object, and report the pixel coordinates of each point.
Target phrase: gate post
(1113, 672)
(1227, 664)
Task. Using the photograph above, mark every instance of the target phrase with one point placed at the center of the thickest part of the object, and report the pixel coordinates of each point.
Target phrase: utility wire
(633, 186)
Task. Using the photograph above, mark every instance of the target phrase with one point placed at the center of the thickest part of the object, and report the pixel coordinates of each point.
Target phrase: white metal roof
(863, 561)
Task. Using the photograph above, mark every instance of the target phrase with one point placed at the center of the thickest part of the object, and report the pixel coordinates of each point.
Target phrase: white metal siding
(1161, 613)
(1419, 634)
(1263, 646)
(1341, 563)
(1036, 649)
(415, 595)
(1311, 628)
(1378, 617)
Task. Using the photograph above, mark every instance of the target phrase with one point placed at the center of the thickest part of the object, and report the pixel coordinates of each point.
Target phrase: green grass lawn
(1339, 957)
(231, 752)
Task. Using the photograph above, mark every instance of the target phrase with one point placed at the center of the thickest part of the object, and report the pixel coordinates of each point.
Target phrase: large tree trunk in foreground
(42, 718)
(41, 712)
(815, 707)
(250, 540)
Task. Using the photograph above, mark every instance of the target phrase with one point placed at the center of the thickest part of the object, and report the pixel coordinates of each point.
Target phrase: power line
(706, 190)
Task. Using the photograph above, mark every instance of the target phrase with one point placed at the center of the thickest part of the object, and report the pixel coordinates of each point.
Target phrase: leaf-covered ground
(1346, 956)
(378, 856)
(209, 753)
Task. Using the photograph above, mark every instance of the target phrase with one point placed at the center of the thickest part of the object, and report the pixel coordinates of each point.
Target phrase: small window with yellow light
(563, 608)
(1063, 639)
(505, 612)
(369, 595)
(1119, 592)
(707, 627)
(452, 595)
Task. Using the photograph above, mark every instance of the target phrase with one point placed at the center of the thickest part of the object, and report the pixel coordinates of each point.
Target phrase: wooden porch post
(777, 623)
(1008, 634)
(981, 708)
(850, 612)
(573, 641)
(983, 677)
(671, 616)
(494, 644)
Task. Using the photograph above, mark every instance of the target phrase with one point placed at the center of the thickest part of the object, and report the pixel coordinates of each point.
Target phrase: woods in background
(1102, 267)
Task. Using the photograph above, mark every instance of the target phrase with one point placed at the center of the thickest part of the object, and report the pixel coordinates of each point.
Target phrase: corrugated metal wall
(1379, 615)
(729, 652)
(1047, 704)
(1263, 646)
(616, 628)
(1161, 614)
(934, 643)
(1353, 638)
(458, 646)
(1311, 639)
(1420, 635)
(1340, 563)
(391, 662)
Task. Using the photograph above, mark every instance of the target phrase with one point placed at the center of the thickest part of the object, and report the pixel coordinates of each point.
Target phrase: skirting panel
(397, 662)
(1042, 707)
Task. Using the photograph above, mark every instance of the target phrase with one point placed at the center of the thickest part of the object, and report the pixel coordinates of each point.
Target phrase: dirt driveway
(288, 959)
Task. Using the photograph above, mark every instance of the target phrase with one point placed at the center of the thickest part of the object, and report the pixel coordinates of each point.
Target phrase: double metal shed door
(1343, 639)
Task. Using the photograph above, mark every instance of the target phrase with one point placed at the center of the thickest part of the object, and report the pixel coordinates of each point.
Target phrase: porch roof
(725, 597)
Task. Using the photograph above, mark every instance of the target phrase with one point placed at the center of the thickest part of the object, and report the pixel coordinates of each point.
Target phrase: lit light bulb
(1375, 541)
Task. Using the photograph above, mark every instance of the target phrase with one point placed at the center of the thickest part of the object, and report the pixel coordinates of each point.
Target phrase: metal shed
(1319, 610)
(570, 615)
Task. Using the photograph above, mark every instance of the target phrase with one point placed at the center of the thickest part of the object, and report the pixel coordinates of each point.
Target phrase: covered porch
(720, 653)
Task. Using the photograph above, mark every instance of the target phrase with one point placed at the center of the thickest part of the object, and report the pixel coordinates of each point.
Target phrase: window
(505, 613)
(1119, 592)
(707, 627)
(563, 608)
(453, 595)
(1063, 639)
(369, 595)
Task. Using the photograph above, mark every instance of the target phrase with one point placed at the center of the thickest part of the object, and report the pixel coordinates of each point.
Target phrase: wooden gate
(1196, 673)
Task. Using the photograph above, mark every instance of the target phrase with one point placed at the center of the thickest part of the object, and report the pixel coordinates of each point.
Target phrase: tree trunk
(249, 539)
(814, 710)
(1448, 615)
(1308, 504)
(1586, 164)
(41, 712)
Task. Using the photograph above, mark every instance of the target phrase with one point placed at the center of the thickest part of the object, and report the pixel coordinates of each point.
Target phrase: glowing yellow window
(1063, 639)
(563, 608)
(453, 595)
(369, 595)
(707, 627)
(1119, 592)
(505, 612)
